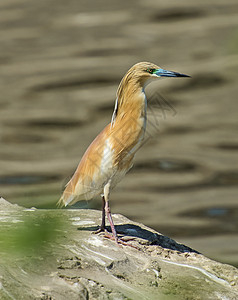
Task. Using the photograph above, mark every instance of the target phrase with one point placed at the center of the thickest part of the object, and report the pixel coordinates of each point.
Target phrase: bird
(110, 156)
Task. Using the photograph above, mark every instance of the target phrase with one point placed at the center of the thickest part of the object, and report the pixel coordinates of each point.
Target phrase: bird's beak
(165, 73)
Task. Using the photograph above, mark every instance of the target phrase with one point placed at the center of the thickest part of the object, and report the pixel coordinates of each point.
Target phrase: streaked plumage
(110, 155)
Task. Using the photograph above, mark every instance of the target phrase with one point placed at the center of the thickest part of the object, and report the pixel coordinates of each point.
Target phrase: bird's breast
(107, 158)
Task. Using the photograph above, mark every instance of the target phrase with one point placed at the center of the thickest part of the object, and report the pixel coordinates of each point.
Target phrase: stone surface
(53, 254)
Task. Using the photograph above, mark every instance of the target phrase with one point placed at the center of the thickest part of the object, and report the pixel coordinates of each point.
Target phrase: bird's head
(138, 76)
(145, 72)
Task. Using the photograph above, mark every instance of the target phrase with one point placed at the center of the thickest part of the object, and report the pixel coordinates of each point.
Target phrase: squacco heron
(110, 156)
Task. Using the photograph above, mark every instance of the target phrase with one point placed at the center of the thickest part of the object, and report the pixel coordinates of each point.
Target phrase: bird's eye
(150, 71)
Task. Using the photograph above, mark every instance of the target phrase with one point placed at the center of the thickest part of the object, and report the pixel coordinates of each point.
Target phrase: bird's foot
(120, 241)
(99, 230)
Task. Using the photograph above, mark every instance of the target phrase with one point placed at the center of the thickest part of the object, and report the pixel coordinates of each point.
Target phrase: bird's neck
(131, 100)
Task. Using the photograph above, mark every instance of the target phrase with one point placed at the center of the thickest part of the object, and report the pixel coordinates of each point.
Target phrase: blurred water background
(60, 65)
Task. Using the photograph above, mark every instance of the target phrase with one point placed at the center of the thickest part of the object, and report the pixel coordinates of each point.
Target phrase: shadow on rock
(145, 237)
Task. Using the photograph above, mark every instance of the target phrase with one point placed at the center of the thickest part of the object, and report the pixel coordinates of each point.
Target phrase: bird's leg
(108, 211)
(103, 214)
(102, 227)
(114, 233)
(109, 216)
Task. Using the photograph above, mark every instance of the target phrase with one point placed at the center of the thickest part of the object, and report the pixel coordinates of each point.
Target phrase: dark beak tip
(183, 75)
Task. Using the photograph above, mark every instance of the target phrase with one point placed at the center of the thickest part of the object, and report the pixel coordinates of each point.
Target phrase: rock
(53, 254)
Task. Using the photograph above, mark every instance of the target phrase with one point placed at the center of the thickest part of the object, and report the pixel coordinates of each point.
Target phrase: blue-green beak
(165, 73)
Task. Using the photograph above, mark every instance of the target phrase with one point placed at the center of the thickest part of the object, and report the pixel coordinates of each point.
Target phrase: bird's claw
(99, 230)
(121, 241)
